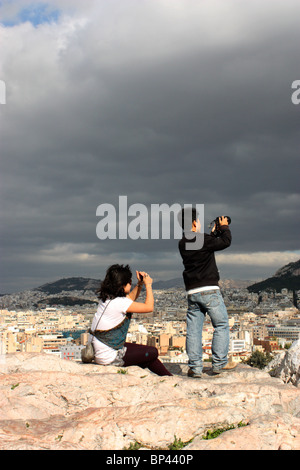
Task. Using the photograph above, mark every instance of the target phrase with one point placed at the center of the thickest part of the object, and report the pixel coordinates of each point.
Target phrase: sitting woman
(111, 321)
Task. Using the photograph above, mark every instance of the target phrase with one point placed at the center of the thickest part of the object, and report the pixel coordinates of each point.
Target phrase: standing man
(201, 278)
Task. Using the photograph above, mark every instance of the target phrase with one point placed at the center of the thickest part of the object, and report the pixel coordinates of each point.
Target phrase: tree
(259, 359)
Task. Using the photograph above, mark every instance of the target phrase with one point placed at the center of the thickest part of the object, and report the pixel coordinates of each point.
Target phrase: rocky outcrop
(49, 403)
(286, 366)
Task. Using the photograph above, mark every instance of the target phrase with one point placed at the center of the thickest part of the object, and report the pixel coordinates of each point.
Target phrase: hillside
(287, 277)
(81, 290)
(66, 300)
(83, 284)
(69, 284)
(47, 403)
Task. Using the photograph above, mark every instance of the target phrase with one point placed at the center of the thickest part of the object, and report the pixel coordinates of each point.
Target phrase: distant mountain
(82, 284)
(178, 282)
(69, 284)
(171, 283)
(234, 284)
(66, 300)
(289, 270)
(287, 277)
(80, 291)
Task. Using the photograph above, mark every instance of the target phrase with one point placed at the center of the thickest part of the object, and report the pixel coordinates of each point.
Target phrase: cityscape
(268, 321)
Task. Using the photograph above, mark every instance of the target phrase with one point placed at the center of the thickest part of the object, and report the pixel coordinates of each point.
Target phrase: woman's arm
(148, 305)
(133, 295)
(135, 292)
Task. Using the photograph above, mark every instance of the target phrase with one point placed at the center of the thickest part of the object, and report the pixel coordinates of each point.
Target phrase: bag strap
(93, 332)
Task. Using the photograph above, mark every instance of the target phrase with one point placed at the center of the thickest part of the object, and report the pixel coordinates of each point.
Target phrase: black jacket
(200, 267)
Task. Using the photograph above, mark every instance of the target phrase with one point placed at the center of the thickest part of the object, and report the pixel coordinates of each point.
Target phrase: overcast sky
(164, 101)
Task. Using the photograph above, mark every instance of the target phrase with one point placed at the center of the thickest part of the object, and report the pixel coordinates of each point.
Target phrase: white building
(237, 346)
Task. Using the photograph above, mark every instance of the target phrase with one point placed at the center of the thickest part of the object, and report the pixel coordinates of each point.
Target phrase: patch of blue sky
(36, 13)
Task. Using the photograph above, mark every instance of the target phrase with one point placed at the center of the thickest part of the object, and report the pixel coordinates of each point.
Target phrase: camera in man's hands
(216, 223)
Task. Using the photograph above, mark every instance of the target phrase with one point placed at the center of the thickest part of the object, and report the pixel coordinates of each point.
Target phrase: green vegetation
(216, 432)
(178, 444)
(133, 446)
(259, 359)
(14, 386)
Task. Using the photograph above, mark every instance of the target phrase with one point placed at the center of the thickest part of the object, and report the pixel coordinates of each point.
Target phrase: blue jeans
(212, 303)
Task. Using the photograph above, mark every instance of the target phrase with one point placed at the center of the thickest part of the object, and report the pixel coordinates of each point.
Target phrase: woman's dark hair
(117, 276)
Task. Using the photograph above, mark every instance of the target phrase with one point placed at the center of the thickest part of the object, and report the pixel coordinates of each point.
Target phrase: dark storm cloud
(162, 102)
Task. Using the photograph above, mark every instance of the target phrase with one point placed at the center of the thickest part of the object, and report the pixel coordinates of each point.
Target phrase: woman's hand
(147, 279)
(148, 305)
(140, 276)
(143, 278)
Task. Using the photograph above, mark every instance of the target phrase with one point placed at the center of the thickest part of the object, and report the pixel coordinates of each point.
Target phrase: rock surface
(49, 403)
(287, 365)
